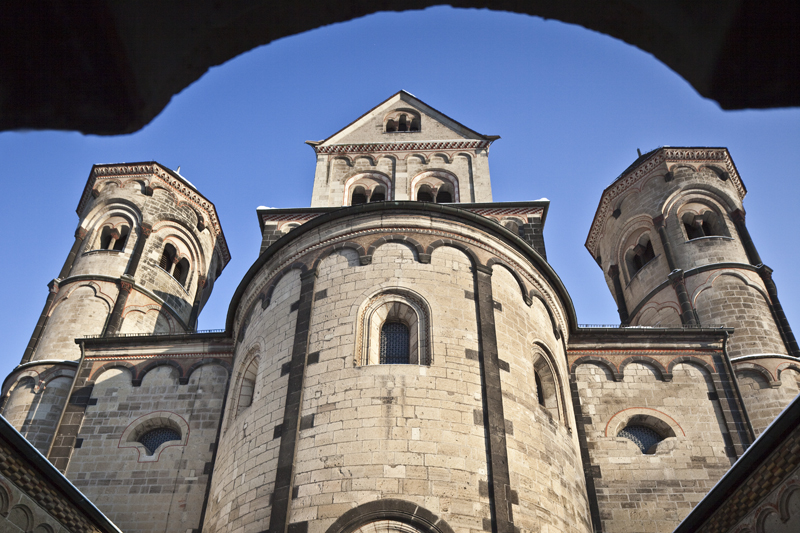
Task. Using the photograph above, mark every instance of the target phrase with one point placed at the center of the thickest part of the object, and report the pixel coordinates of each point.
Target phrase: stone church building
(402, 358)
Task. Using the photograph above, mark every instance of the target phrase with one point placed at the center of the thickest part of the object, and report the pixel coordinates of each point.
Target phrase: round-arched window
(646, 438)
(394, 344)
(156, 437)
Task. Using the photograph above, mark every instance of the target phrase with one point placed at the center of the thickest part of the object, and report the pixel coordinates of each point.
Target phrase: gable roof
(414, 102)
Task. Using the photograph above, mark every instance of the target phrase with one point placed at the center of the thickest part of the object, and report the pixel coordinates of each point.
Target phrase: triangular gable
(369, 127)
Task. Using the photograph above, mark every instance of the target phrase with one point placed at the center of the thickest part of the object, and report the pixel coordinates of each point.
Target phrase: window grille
(394, 344)
(156, 437)
(643, 436)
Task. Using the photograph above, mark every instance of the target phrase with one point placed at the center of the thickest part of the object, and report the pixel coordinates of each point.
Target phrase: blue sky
(572, 106)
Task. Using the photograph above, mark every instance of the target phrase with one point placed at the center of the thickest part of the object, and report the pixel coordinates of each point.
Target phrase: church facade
(401, 356)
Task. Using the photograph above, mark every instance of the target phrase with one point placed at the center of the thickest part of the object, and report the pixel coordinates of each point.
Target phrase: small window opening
(424, 196)
(167, 258)
(444, 197)
(113, 238)
(646, 438)
(359, 196)
(394, 344)
(403, 123)
(539, 390)
(119, 245)
(156, 437)
(181, 271)
(704, 225)
(378, 195)
(247, 390)
(642, 254)
(414, 124)
(391, 126)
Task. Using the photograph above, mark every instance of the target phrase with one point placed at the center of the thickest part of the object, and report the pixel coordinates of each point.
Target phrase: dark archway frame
(109, 67)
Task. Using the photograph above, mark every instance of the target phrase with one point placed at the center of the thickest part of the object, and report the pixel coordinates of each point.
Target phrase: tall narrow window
(359, 196)
(444, 197)
(424, 196)
(247, 390)
(639, 256)
(181, 271)
(403, 125)
(539, 390)
(378, 195)
(394, 344)
(167, 258)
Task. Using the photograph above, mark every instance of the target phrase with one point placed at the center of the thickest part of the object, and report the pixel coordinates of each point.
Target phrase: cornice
(630, 178)
(418, 146)
(173, 182)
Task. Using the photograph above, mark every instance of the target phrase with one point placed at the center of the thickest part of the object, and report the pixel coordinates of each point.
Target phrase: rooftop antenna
(637, 151)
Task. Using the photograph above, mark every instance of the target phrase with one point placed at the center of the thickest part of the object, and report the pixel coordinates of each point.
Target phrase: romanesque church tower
(671, 238)
(147, 250)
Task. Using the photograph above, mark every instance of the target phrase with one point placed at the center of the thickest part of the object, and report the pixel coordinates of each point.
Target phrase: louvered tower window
(156, 437)
(644, 437)
(394, 344)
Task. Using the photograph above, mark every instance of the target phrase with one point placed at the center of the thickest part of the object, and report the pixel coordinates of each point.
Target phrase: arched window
(424, 194)
(178, 268)
(167, 257)
(645, 437)
(638, 256)
(394, 329)
(394, 344)
(547, 388)
(705, 224)
(378, 195)
(444, 197)
(359, 196)
(156, 437)
(113, 238)
(401, 120)
(248, 386)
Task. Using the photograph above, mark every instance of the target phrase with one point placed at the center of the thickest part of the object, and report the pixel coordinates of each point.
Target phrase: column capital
(146, 229)
(738, 215)
(676, 277)
(658, 221)
(80, 233)
(53, 286)
(613, 270)
(126, 283)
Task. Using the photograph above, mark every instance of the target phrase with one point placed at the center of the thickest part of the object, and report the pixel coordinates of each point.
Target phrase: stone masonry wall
(544, 457)
(764, 393)
(651, 493)
(138, 493)
(244, 473)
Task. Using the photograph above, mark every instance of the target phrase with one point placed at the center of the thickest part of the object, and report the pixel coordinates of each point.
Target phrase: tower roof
(156, 175)
(660, 160)
(366, 132)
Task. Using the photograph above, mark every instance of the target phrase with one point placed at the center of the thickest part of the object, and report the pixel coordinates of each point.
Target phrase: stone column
(144, 233)
(658, 222)
(777, 311)
(737, 216)
(688, 315)
(115, 321)
(80, 235)
(622, 308)
(201, 283)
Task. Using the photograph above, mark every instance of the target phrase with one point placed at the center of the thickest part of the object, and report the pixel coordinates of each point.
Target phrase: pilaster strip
(493, 415)
(284, 476)
(126, 284)
(622, 307)
(41, 323)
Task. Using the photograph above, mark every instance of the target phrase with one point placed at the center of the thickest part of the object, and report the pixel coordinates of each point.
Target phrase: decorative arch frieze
(744, 367)
(599, 361)
(649, 361)
(523, 289)
(98, 293)
(137, 382)
(415, 246)
(703, 366)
